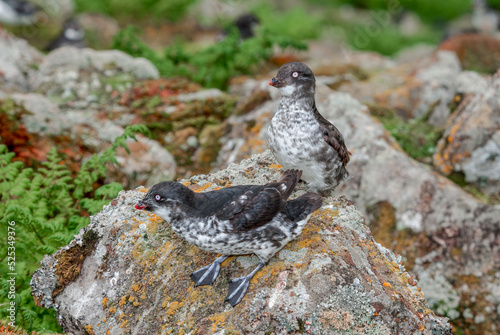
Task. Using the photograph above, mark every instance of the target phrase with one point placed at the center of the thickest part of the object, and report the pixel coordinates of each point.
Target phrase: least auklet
(17, 12)
(72, 34)
(234, 221)
(300, 137)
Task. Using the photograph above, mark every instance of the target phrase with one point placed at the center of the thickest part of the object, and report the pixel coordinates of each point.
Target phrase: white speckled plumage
(300, 137)
(234, 221)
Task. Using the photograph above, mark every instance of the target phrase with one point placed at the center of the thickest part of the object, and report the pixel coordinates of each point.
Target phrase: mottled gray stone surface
(333, 279)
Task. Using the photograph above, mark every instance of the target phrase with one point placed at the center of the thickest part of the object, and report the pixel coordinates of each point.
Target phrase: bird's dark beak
(274, 81)
(140, 205)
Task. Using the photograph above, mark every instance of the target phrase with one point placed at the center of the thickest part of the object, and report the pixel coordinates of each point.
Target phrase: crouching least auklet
(234, 221)
(300, 137)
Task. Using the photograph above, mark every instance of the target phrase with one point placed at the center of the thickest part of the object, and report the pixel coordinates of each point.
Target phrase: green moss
(416, 136)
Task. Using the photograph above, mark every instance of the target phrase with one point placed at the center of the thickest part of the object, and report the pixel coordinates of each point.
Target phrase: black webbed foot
(238, 287)
(207, 274)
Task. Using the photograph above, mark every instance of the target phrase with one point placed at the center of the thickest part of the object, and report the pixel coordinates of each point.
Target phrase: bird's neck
(298, 102)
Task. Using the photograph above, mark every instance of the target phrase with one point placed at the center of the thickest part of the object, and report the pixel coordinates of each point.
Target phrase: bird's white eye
(157, 197)
(295, 74)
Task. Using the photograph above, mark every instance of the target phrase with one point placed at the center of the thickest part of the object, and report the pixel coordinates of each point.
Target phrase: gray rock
(74, 58)
(333, 279)
(17, 61)
(68, 74)
(44, 118)
(471, 142)
(437, 87)
(440, 218)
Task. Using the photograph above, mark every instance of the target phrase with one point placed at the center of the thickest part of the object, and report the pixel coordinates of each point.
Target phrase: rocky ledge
(127, 272)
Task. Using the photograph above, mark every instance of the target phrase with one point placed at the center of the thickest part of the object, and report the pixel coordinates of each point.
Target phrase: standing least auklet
(300, 137)
(234, 221)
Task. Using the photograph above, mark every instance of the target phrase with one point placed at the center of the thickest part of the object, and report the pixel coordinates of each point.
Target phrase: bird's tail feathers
(298, 209)
(289, 180)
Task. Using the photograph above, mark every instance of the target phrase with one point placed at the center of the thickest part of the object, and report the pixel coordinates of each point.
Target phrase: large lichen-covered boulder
(127, 272)
(449, 239)
(471, 142)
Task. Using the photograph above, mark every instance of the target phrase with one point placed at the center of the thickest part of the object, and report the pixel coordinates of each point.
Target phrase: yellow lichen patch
(135, 287)
(132, 298)
(89, 329)
(166, 301)
(124, 323)
(275, 166)
(271, 270)
(143, 190)
(112, 309)
(387, 285)
(453, 131)
(218, 319)
(123, 301)
(136, 303)
(197, 188)
(104, 302)
(326, 214)
(153, 222)
(309, 236)
(173, 307)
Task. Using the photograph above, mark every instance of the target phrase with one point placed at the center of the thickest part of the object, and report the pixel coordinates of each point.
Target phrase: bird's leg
(207, 274)
(238, 287)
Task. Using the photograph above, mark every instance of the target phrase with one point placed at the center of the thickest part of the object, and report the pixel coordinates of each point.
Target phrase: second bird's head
(166, 199)
(294, 77)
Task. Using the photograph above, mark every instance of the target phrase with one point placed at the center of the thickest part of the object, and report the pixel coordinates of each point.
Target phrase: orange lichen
(387, 285)
(275, 166)
(218, 319)
(271, 270)
(89, 329)
(104, 302)
(197, 188)
(306, 242)
(173, 307)
(326, 214)
(123, 301)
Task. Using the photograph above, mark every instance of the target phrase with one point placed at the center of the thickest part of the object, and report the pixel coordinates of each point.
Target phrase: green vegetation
(48, 206)
(297, 24)
(150, 9)
(427, 10)
(389, 39)
(210, 67)
(416, 136)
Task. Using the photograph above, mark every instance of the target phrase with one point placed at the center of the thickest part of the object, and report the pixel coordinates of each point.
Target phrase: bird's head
(294, 77)
(166, 199)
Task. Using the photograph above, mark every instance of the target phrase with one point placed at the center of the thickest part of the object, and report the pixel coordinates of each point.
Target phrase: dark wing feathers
(254, 209)
(298, 209)
(333, 137)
